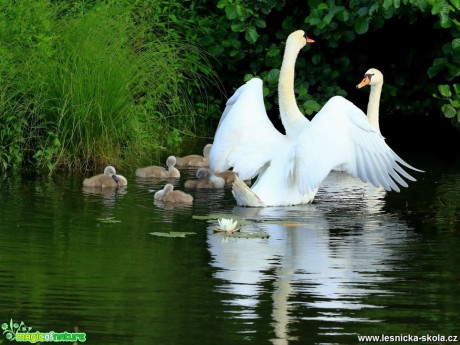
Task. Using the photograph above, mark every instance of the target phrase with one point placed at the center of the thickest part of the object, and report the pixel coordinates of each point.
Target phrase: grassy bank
(85, 87)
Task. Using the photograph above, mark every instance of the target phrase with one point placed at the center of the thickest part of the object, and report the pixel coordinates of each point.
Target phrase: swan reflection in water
(109, 195)
(321, 260)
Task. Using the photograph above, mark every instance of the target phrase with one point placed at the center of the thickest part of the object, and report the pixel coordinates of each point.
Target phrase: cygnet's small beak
(309, 40)
(115, 177)
(364, 82)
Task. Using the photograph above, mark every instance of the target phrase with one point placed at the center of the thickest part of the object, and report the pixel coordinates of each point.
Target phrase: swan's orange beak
(366, 80)
(309, 40)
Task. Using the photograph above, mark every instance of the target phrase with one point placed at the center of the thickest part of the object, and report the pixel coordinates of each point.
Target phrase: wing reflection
(320, 262)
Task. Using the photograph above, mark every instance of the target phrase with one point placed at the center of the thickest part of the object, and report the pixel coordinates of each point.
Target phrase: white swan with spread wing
(291, 167)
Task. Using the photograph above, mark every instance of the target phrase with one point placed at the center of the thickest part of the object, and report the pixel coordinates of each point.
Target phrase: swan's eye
(369, 75)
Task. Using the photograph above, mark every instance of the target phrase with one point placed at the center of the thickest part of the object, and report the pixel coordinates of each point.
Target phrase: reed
(101, 93)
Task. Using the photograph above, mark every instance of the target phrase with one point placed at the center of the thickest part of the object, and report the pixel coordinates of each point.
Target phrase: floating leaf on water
(244, 234)
(108, 220)
(160, 234)
(171, 234)
(212, 216)
(242, 221)
(181, 234)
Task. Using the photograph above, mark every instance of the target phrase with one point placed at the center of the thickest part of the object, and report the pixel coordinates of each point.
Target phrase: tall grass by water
(83, 89)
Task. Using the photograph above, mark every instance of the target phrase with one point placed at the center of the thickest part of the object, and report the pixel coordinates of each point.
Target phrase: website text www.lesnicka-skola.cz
(408, 338)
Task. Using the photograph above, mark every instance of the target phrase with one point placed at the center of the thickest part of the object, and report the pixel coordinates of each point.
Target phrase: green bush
(348, 35)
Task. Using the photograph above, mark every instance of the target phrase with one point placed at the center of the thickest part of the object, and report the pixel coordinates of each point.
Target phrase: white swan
(291, 117)
(374, 78)
(291, 167)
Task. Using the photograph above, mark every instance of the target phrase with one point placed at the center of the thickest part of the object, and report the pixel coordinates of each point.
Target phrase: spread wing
(340, 134)
(245, 138)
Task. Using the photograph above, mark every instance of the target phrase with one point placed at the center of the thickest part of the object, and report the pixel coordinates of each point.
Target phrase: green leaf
(222, 3)
(456, 44)
(374, 8)
(348, 36)
(260, 23)
(445, 20)
(311, 106)
(246, 78)
(438, 65)
(38, 154)
(444, 90)
(230, 12)
(387, 4)
(315, 21)
(316, 59)
(251, 35)
(457, 89)
(328, 18)
(273, 51)
(363, 11)
(437, 8)
(273, 76)
(239, 10)
(343, 16)
(455, 3)
(207, 40)
(216, 50)
(361, 25)
(238, 27)
(422, 5)
(449, 111)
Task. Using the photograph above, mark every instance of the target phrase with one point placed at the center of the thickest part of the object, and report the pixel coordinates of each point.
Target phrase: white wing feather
(245, 138)
(340, 134)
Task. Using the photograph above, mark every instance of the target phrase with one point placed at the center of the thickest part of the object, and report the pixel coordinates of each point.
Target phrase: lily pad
(243, 221)
(109, 220)
(171, 234)
(245, 234)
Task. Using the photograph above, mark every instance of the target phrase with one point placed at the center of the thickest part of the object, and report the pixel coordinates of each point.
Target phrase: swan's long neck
(373, 106)
(291, 117)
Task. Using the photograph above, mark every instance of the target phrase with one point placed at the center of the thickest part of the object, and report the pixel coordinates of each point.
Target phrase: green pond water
(358, 261)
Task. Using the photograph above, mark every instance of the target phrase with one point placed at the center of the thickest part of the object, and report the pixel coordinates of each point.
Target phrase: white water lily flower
(227, 224)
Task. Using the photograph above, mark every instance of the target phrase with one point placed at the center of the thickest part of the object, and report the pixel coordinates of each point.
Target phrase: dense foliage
(84, 83)
(416, 44)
